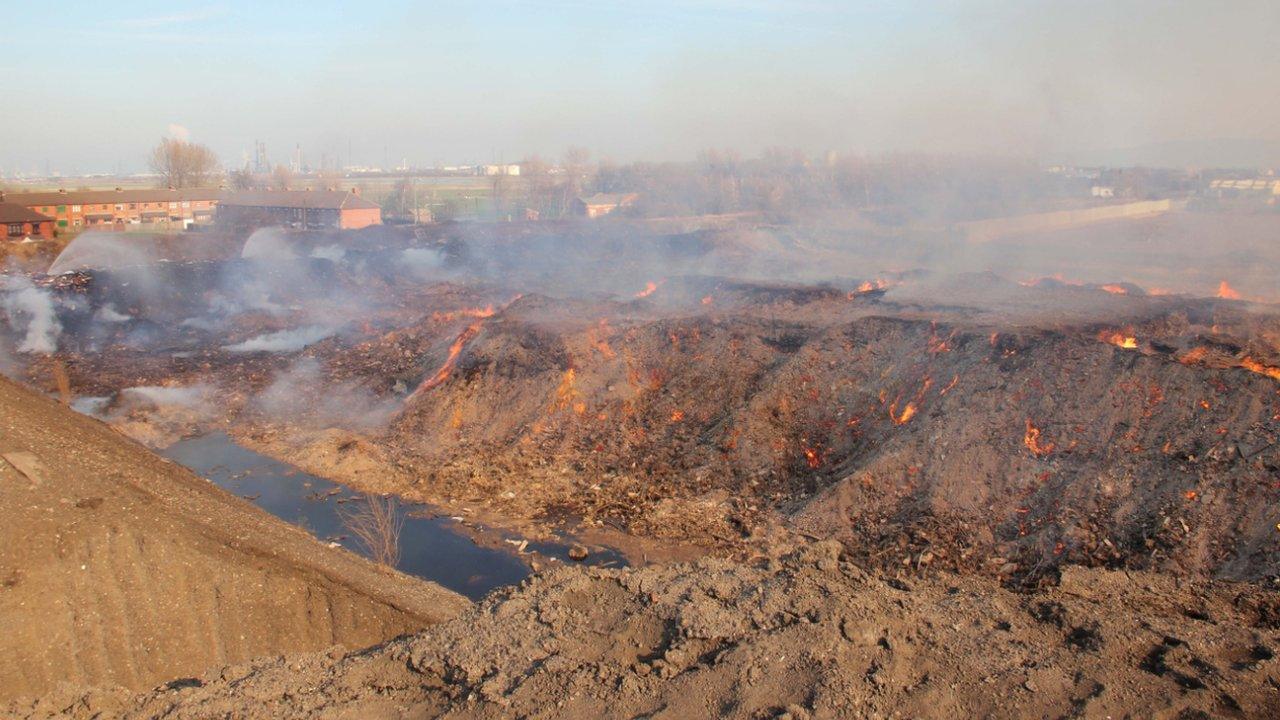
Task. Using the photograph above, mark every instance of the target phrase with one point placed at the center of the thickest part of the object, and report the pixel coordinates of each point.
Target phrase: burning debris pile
(640, 383)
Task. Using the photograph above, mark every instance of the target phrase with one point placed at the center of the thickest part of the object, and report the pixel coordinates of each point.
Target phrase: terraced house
(117, 209)
(19, 223)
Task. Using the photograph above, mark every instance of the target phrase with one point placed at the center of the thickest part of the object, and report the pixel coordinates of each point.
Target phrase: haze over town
(386, 83)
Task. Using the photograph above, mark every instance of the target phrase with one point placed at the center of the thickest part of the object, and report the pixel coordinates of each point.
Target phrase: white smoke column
(25, 303)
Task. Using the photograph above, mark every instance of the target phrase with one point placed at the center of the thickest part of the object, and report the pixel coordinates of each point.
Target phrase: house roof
(609, 199)
(104, 197)
(320, 199)
(15, 213)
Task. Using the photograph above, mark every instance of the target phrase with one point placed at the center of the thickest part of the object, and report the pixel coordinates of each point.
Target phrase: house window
(186, 203)
(63, 223)
(173, 205)
(133, 206)
(15, 229)
(75, 208)
(119, 207)
(62, 209)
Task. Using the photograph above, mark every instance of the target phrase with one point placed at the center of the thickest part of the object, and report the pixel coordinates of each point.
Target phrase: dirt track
(118, 567)
(807, 635)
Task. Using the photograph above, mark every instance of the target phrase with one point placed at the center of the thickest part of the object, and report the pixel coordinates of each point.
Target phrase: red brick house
(18, 222)
(340, 209)
(75, 210)
(602, 204)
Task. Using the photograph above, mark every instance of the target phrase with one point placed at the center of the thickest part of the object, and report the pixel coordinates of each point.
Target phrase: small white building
(492, 170)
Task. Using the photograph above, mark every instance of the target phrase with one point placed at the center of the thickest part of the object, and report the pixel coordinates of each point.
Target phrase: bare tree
(539, 184)
(576, 170)
(376, 523)
(242, 179)
(281, 177)
(183, 164)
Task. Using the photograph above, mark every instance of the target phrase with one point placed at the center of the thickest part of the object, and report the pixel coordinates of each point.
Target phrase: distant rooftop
(322, 199)
(16, 213)
(102, 197)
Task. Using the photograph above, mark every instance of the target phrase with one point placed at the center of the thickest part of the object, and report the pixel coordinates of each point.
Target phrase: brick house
(17, 222)
(116, 209)
(328, 209)
(601, 204)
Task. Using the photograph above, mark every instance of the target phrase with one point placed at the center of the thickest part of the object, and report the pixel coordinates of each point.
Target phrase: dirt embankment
(120, 568)
(807, 635)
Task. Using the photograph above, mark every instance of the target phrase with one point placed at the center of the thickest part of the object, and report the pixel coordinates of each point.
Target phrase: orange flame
(1120, 340)
(706, 300)
(677, 416)
(1190, 495)
(1116, 289)
(567, 393)
(1254, 366)
(866, 287)
(484, 312)
(649, 288)
(812, 457)
(1226, 292)
(1032, 440)
(455, 350)
(598, 335)
(908, 412)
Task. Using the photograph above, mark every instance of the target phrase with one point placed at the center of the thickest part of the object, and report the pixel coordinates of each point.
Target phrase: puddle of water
(430, 547)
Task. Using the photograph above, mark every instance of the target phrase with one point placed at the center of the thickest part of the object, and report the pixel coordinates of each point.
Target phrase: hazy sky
(93, 85)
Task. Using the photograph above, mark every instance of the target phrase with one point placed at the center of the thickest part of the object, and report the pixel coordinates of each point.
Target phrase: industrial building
(74, 210)
(316, 209)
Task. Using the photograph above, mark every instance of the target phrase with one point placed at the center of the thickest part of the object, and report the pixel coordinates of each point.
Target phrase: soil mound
(120, 568)
(807, 635)
(1154, 444)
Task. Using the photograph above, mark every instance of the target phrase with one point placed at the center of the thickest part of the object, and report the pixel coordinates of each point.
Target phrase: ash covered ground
(1001, 408)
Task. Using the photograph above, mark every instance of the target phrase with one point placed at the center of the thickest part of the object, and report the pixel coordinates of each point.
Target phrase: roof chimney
(355, 191)
(1, 196)
(62, 191)
(119, 189)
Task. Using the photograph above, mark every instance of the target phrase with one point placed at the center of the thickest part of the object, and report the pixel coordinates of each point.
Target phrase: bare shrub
(376, 523)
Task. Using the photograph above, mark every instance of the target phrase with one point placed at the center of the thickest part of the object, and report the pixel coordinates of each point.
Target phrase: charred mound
(1003, 447)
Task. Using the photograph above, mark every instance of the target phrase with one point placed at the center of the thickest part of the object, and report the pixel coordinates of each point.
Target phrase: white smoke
(329, 252)
(268, 244)
(26, 305)
(423, 261)
(292, 396)
(282, 340)
(108, 314)
(188, 396)
(97, 250)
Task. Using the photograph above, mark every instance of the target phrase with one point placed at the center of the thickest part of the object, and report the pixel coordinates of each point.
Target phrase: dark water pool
(430, 547)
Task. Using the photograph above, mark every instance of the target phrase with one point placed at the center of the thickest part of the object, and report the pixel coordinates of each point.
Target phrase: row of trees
(780, 180)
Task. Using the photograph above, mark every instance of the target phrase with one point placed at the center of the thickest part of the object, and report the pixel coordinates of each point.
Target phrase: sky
(378, 83)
